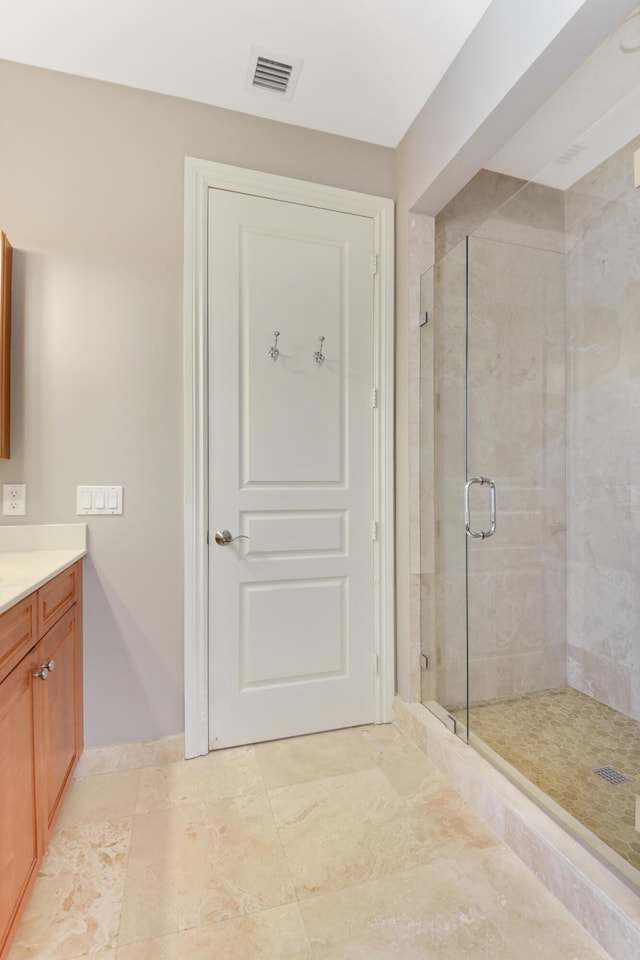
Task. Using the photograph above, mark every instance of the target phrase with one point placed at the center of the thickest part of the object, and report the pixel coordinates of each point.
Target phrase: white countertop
(32, 554)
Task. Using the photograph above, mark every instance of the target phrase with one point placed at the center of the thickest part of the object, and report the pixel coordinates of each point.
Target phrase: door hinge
(374, 530)
(375, 259)
(374, 398)
(207, 538)
(375, 664)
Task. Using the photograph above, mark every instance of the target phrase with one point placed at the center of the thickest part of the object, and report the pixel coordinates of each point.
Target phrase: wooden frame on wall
(5, 346)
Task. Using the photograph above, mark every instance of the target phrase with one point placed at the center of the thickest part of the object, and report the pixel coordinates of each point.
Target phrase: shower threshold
(602, 899)
(554, 744)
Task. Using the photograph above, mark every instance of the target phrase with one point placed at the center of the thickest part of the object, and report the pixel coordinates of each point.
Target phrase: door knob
(223, 537)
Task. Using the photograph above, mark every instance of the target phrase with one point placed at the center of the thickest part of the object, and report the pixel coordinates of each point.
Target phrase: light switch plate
(99, 501)
(14, 499)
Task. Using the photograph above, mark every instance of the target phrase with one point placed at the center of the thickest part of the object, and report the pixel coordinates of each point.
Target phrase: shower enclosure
(530, 512)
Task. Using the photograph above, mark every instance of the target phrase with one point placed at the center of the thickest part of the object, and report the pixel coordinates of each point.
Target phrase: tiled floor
(341, 846)
(557, 738)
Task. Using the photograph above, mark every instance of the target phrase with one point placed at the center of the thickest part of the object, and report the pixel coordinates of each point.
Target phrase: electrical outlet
(14, 499)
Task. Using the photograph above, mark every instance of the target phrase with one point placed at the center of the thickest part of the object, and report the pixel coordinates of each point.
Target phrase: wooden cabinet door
(58, 696)
(19, 847)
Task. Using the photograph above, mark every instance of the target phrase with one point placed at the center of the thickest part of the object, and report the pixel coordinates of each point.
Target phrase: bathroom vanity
(40, 699)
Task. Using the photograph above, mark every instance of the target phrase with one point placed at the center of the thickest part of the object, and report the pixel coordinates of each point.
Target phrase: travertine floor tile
(387, 859)
(529, 918)
(201, 863)
(103, 955)
(420, 914)
(485, 905)
(345, 830)
(110, 796)
(403, 764)
(302, 759)
(276, 934)
(450, 825)
(76, 901)
(218, 776)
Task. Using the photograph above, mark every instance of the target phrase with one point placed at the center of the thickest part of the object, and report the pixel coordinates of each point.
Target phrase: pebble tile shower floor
(557, 739)
(347, 845)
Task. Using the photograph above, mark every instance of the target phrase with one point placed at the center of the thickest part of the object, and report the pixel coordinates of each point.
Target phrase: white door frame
(200, 176)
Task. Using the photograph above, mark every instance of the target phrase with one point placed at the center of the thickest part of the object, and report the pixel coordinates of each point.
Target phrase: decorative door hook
(318, 356)
(274, 353)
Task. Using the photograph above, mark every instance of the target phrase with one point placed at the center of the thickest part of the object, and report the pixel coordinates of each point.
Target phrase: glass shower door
(515, 469)
(443, 444)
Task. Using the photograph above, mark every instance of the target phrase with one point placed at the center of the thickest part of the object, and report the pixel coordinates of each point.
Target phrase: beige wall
(91, 181)
(91, 196)
(603, 453)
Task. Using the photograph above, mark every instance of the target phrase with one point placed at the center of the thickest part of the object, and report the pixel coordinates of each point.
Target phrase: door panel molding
(200, 176)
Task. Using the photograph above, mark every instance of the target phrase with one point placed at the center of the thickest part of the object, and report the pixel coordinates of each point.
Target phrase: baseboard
(130, 756)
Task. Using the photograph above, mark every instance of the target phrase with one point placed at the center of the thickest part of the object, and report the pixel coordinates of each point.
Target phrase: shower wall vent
(570, 154)
(611, 775)
(273, 73)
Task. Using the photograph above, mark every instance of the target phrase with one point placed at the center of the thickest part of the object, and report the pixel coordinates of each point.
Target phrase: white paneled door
(291, 469)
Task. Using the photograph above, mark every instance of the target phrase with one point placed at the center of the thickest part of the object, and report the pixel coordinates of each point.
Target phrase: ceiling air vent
(273, 73)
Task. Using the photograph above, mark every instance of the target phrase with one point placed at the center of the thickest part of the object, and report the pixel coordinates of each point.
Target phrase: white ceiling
(591, 116)
(368, 65)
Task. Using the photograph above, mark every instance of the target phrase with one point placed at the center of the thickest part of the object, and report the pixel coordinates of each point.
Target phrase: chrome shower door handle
(492, 509)
(480, 534)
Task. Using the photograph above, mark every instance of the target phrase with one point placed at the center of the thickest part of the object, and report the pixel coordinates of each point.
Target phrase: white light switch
(94, 501)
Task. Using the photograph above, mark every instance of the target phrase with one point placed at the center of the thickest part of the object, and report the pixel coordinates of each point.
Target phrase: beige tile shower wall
(516, 316)
(485, 193)
(517, 436)
(603, 454)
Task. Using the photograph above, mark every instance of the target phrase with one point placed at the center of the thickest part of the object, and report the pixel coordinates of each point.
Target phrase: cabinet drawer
(17, 633)
(56, 597)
